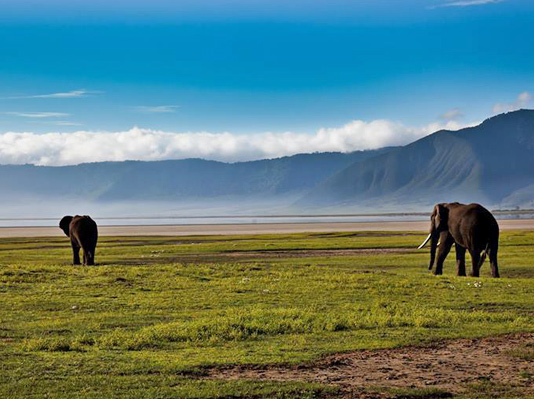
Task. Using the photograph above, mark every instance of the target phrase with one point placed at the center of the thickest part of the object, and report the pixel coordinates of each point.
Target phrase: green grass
(155, 311)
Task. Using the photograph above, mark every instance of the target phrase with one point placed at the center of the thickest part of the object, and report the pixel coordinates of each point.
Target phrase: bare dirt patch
(253, 228)
(247, 256)
(449, 366)
(302, 253)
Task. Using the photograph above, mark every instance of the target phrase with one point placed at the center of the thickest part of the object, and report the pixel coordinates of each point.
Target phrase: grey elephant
(469, 227)
(83, 233)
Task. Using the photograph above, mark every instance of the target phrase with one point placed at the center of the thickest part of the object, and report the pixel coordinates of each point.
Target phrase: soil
(449, 366)
(256, 256)
(303, 253)
(248, 228)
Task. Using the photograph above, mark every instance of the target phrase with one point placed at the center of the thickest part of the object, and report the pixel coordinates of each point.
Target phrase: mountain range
(492, 163)
(176, 180)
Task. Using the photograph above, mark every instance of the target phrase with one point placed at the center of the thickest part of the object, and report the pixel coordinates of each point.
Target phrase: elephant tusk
(424, 242)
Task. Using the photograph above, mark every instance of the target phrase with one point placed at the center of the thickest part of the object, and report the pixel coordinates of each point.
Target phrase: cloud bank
(55, 149)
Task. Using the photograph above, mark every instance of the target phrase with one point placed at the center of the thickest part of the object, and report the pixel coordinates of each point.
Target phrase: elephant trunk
(433, 246)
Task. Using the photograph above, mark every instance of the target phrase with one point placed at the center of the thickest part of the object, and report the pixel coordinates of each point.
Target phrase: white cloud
(149, 145)
(522, 101)
(37, 115)
(157, 108)
(67, 94)
(467, 3)
(452, 114)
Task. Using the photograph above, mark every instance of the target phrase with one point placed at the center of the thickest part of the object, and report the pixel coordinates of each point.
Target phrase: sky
(234, 80)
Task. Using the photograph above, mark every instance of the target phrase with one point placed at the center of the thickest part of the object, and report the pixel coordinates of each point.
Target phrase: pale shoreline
(247, 228)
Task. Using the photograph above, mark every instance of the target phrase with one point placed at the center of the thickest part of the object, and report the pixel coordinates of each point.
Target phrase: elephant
(469, 227)
(83, 233)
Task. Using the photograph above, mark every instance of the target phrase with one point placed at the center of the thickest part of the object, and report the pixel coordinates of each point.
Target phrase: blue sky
(250, 67)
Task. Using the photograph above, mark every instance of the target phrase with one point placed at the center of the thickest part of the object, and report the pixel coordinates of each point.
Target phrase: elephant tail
(483, 256)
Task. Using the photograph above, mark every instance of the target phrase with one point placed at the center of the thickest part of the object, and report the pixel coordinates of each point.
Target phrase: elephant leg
(493, 262)
(75, 253)
(445, 245)
(90, 256)
(460, 260)
(475, 263)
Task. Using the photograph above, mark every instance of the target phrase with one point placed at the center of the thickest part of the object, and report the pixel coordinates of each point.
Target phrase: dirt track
(448, 366)
(258, 228)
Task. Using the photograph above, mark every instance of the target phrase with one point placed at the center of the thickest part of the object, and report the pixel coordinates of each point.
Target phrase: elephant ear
(65, 223)
(442, 217)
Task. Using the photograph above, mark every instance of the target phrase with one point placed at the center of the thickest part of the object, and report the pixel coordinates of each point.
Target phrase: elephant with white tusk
(469, 227)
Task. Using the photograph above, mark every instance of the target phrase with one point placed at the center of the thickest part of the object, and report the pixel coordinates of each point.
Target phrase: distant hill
(176, 179)
(492, 163)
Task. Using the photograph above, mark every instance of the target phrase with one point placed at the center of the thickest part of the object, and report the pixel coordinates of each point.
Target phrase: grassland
(157, 311)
